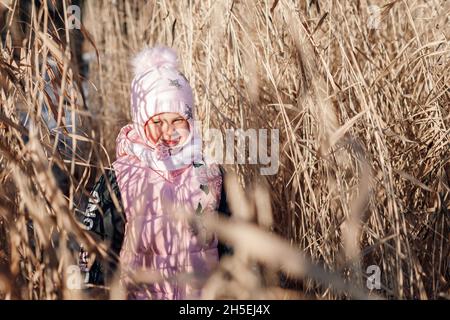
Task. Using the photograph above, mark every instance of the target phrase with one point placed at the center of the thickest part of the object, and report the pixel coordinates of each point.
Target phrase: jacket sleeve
(225, 212)
(106, 224)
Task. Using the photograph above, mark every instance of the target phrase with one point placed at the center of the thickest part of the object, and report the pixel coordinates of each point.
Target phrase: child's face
(169, 128)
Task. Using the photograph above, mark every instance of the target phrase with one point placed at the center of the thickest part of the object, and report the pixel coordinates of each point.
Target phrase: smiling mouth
(171, 143)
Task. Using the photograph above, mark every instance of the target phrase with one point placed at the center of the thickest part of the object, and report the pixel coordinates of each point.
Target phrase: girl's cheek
(184, 135)
(154, 133)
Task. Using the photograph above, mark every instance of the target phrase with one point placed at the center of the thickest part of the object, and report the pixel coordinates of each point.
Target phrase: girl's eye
(178, 120)
(156, 121)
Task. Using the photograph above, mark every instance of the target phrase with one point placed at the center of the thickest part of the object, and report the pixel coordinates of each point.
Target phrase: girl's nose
(167, 131)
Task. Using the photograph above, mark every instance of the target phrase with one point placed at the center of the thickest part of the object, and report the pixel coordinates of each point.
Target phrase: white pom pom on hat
(154, 57)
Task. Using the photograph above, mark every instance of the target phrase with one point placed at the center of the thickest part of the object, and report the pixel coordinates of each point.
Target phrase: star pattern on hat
(175, 83)
(188, 112)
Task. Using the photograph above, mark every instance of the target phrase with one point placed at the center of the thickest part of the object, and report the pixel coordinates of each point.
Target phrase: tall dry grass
(363, 116)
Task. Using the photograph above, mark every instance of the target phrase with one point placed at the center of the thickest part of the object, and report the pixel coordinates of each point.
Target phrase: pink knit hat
(157, 87)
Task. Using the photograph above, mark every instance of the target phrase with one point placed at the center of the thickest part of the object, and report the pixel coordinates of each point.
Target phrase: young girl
(159, 172)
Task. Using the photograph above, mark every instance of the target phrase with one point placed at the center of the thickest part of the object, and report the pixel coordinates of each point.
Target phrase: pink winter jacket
(156, 241)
